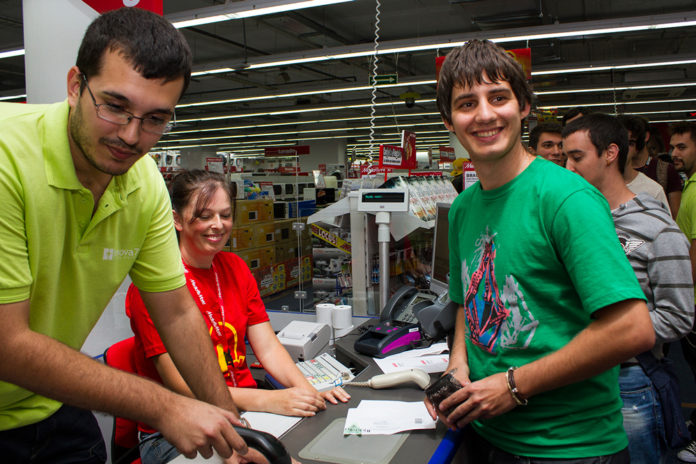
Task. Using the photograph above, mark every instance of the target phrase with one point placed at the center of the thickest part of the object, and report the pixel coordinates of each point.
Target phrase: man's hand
(193, 426)
(335, 395)
(486, 398)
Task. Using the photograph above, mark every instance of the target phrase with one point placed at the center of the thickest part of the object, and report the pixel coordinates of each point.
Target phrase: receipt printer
(305, 340)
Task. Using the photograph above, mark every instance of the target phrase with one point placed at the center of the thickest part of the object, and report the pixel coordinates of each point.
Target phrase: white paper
(430, 364)
(275, 424)
(387, 418)
(436, 348)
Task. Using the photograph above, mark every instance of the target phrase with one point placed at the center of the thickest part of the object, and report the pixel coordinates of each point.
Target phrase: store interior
(293, 103)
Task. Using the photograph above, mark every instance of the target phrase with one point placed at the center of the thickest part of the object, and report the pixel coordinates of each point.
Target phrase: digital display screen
(440, 268)
(383, 197)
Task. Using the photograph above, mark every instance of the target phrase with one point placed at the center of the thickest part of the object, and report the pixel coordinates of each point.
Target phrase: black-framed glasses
(157, 124)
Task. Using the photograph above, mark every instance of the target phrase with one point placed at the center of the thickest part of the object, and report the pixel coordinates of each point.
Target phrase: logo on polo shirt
(111, 253)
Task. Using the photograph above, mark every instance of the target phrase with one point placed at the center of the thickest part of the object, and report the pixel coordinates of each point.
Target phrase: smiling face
(487, 120)
(550, 147)
(202, 237)
(99, 148)
(683, 153)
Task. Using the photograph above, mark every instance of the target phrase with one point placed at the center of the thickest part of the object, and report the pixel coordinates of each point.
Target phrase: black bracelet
(510, 377)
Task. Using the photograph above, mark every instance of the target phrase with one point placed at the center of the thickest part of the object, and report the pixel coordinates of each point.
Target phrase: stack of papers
(387, 418)
(432, 360)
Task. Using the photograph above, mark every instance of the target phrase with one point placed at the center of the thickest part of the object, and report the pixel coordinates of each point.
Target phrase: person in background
(597, 148)
(545, 141)
(82, 209)
(228, 298)
(656, 169)
(457, 174)
(549, 304)
(683, 145)
(574, 113)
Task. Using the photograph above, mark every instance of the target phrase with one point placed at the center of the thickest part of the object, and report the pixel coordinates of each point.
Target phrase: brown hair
(466, 65)
(186, 183)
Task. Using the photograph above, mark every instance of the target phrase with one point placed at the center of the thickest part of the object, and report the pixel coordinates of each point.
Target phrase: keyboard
(324, 372)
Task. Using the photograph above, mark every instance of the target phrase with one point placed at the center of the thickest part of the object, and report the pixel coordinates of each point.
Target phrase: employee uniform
(67, 261)
(229, 300)
(531, 261)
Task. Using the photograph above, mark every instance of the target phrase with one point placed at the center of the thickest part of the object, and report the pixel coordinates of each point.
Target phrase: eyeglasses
(157, 124)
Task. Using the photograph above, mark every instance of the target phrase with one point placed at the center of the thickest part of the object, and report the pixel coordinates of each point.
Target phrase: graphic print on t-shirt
(494, 320)
(230, 357)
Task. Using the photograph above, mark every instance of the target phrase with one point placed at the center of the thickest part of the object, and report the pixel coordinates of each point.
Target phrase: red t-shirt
(242, 307)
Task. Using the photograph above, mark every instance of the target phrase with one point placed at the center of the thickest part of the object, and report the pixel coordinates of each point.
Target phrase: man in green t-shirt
(82, 209)
(549, 304)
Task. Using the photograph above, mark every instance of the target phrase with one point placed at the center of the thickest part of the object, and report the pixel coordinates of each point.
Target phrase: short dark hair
(466, 65)
(571, 113)
(148, 41)
(683, 127)
(544, 127)
(187, 183)
(603, 130)
(637, 126)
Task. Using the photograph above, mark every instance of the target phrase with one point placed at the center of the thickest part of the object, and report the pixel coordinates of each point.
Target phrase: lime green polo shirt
(66, 261)
(686, 217)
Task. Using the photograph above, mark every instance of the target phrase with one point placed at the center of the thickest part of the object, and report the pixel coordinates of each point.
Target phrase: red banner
(102, 6)
(287, 151)
(408, 143)
(524, 57)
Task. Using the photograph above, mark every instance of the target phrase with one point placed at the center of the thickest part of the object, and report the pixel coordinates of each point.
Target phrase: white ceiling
(248, 123)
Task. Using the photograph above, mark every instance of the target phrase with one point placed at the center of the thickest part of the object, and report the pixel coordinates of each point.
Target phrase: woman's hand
(295, 401)
(335, 395)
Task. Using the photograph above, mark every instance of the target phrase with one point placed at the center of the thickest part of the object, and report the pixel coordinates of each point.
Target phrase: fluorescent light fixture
(636, 102)
(308, 93)
(11, 53)
(239, 10)
(596, 68)
(618, 87)
(551, 31)
(304, 110)
(13, 97)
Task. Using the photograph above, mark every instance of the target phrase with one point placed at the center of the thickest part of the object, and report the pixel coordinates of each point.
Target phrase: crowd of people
(572, 260)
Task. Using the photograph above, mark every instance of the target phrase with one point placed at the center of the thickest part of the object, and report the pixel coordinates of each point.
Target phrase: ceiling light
(239, 10)
(596, 68)
(13, 97)
(11, 53)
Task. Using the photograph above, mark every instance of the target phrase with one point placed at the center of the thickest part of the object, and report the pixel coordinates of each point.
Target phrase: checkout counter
(419, 445)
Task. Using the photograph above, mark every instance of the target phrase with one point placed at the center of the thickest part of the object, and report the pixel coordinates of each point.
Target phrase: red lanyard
(219, 339)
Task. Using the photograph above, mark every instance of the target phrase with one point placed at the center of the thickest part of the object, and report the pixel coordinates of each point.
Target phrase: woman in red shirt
(227, 295)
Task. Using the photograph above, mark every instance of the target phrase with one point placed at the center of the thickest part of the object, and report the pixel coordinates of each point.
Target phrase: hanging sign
(286, 151)
(390, 156)
(469, 174)
(524, 57)
(408, 143)
(214, 165)
(102, 6)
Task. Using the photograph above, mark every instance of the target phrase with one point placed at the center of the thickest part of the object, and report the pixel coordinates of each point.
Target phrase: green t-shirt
(55, 253)
(686, 217)
(530, 262)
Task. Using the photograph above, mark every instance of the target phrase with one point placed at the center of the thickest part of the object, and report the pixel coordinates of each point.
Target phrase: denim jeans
(71, 435)
(479, 451)
(642, 417)
(156, 450)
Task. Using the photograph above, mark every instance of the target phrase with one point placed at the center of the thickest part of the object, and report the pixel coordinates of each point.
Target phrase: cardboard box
(258, 258)
(241, 238)
(263, 234)
(249, 212)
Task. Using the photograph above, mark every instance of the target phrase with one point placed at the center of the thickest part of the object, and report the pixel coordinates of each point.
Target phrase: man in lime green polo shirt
(82, 208)
(683, 145)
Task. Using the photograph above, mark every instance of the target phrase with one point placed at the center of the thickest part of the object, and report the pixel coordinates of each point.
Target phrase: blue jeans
(642, 417)
(156, 450)
(70, 436)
